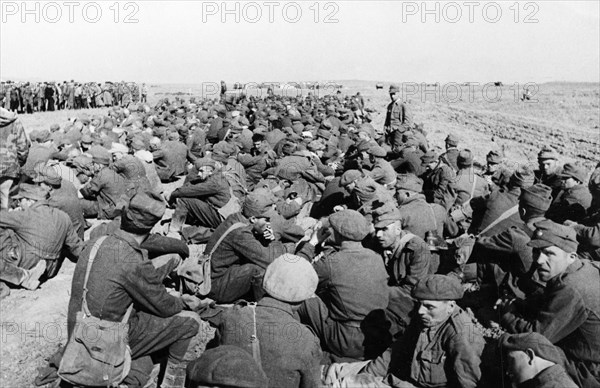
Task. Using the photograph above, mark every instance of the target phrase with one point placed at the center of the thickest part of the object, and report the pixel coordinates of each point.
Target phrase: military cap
(377, 151)
(394, 89)
(548, 234)
(43, 136)
(451, 140)
(144, 156)
(438, 287)
(144, 210)
(224, 148)
(226, 366)
(202, 162)
(86, 139)
(118, 147)
(547, 153)
(493, 157)
(298, 128)
(364, 146)
(99, 155)
(290, 278)
(46, 174)
(539, 344)
(411, 141)
(258, 203)
(576, 172)
(522, 177)
(428, 157)
(409, 182)
(54, 127)
(29, 191)
(173, 135)
(350, 224)
(464, 159)
(594, 184)
(386, 215)
(538, 197)
(138, 144)
(350, 176)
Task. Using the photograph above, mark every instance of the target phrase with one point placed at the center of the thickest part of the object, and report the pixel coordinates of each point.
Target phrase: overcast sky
(188, 42)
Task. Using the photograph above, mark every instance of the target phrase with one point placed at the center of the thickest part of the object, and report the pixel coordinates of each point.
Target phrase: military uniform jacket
(419, 217)
(396, 116)
(383, 173)
(489, 208)
(588, 235)
(352, 282)
(110, 189)
(447, 355)
(120, 275)
(290, 352)
(568, 313)
(438, 185)
(14, 146)
(41, 232)
(408, 263)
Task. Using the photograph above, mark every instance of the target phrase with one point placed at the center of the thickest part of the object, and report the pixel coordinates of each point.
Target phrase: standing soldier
(14, 148)
(397, 119)
(144, 93)
(28, 98)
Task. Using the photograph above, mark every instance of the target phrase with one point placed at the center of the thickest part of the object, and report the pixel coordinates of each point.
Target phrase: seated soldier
(568, 312)
(549, 170)
(588, 230)
(289, 360)
(532, 361)
(442, 348)
(206, 199)
(574, 199)
(239, 261)
(122, 275)
(407, 260)
(352, 286)
(225, 367)
(382, 171)
(107, 192)
(36, 235)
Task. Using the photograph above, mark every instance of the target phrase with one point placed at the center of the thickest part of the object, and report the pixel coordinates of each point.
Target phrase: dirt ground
(566, 116)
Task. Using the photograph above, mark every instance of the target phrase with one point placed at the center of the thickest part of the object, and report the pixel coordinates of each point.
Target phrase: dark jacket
(214, 190)
(568, 313)
(409, 263)
(419, 217)
(121, 274)
(111, 190)
(489, 208)
(290, 352)
(447, 355)
(41, 232)
(352, 282)
(240, 247)
(588, 235)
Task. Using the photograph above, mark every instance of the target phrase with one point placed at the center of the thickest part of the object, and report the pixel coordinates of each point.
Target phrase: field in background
(566, 116)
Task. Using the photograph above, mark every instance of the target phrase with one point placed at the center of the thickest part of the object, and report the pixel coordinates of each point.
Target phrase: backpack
(195, 271)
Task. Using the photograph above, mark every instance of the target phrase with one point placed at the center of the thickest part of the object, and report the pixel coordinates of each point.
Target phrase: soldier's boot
(174, 375)
(32, 280)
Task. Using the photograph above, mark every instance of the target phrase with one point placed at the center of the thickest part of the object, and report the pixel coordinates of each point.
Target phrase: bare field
(566, 116)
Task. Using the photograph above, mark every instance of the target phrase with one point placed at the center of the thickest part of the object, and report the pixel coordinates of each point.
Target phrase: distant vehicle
(238, 86)
(498, 84)
(272, 85)
(378, 86)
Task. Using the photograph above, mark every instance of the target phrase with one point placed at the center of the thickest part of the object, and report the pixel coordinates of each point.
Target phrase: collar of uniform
(270, 302)
(128, 238)
(348, 245)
